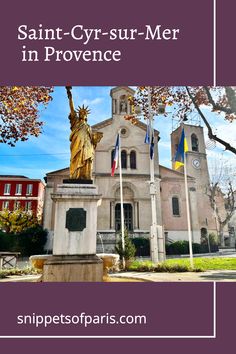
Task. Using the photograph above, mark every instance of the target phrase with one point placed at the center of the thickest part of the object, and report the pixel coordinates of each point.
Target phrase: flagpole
(188, 213)
(153, 230)
(121, 204)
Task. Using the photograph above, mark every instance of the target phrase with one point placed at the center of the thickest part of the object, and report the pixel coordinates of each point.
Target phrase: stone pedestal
(74, 245)
(84, 268)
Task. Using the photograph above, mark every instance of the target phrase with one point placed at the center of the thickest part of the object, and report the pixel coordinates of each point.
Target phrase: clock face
(196, 163)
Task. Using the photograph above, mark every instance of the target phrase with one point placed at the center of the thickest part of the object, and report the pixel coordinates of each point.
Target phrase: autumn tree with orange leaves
(188, 99)
(19, 112)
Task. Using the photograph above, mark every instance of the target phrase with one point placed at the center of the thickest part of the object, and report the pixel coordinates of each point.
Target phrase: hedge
(179, 247)
(28, 242)
(142, 246)
(182, 247)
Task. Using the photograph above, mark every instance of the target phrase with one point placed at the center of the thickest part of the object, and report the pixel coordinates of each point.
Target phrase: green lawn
(216, 263)
(183, 265)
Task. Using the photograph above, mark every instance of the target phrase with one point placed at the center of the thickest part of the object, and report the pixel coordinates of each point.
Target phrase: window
(124, 132)
(28, 206)
(166, 236)
(7, 188)
(17, 205)
(175, 206)
(5, 205)
(18, 188)
(128, 217)
(123, 159)
(114, 106)
(194, 142)
(29, 189)
(133, 160)
(123, 104)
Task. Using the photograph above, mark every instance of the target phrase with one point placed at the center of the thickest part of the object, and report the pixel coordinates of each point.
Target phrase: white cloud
(92, 102)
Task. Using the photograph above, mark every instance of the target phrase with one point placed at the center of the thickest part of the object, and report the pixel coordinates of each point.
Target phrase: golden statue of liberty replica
(83, 141)
(76, 201)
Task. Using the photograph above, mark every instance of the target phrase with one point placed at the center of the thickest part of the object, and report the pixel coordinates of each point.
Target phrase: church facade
(169, 184)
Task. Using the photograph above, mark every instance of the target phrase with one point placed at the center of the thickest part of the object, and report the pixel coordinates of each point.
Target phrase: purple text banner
(225, 44)
(160, 42)
(100, 309)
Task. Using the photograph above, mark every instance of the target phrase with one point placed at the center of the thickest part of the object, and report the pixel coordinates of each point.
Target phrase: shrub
(4, 273)
(178, 247)
(197, 248)
(7, 242)
(28, 242)
(129, 251)
(213, 239)
(148, 266)
(182, 247)
(32, 241)
(142, 246)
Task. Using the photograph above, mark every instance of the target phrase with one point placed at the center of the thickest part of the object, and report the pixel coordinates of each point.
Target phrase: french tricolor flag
(116, 155)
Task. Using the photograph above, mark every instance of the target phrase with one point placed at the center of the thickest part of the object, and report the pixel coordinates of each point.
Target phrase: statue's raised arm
(71, 103)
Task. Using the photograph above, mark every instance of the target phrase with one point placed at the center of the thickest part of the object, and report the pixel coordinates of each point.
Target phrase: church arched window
(175, 206)
(128, 216)
(123, 104)
(194, 142)
(133, 160)
(123, 159)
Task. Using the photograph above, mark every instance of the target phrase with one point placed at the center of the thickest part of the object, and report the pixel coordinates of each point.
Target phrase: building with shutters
(20, 192)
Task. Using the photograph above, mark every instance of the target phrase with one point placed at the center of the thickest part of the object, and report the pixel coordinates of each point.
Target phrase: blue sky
(50, 151)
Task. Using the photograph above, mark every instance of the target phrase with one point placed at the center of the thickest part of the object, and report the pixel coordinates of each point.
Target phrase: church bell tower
(196, 157)
(197, 167)
(120, 100)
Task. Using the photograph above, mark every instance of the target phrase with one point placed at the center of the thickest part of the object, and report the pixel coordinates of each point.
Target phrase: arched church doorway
(205, 238)
(204, 235)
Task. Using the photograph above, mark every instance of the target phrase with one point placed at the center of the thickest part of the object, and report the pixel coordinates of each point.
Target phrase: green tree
(129, 249)
(17, 221)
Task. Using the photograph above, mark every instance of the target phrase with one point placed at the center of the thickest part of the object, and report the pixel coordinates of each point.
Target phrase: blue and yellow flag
(147, 136)
(182, 148)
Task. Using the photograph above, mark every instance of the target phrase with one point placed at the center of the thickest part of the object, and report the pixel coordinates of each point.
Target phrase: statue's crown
(84, 110)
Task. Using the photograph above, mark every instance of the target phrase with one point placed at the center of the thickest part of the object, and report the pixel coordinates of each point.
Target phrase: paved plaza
(213, 275)
(208, 276)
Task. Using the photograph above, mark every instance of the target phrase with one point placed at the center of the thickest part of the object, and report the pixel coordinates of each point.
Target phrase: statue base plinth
(77, 181)
(84, 268)
(75, 235)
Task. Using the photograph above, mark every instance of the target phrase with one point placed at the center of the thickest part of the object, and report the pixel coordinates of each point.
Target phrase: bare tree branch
(218, 107)
(210, 132)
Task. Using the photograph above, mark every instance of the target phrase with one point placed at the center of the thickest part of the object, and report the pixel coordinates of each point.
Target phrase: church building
(135, 156)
